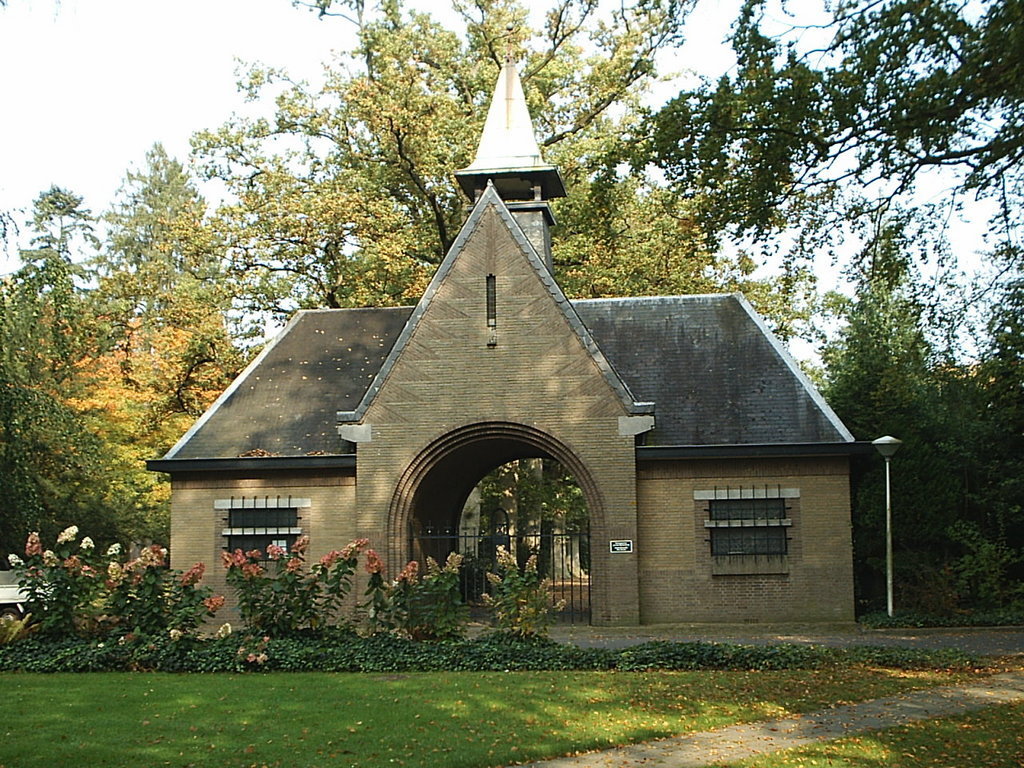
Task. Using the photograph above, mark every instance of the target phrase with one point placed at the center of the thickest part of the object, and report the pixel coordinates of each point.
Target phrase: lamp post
(887, 446)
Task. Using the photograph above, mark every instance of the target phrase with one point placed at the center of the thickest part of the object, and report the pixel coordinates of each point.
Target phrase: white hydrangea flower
(114, 549)
(68, 534)
(87, 544)
(224, 630)
(15, 561)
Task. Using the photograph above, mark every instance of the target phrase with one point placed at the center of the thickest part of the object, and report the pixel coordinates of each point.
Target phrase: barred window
(749, 522)
(256, 523)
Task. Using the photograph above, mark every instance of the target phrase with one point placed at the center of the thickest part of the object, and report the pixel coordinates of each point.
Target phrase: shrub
(520, 599)
(73, 590)
(431, 607)
(148, 599)
(291, 598)
(63, 584)
(337, 650)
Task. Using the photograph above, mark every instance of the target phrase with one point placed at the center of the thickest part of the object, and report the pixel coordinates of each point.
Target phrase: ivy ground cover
(419, 719)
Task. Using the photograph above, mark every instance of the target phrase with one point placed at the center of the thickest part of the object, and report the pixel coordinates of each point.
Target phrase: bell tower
(509, 157)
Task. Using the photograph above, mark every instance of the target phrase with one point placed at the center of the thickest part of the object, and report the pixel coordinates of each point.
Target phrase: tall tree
(885, 94)
(162, 300)
(346, 195)
(50, 464)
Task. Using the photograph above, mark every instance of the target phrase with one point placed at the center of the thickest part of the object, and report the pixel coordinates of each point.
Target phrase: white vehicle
(12, 598)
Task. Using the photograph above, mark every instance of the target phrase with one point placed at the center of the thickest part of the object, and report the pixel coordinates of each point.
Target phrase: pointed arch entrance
(430, 498)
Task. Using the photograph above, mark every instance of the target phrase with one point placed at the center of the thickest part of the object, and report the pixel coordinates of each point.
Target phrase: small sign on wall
(620, 546)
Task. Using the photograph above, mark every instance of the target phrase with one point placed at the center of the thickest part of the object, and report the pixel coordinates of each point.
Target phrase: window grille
(748, 522)
(256, 523)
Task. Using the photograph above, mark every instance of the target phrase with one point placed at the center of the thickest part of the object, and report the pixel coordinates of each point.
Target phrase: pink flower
(193, 575)
(294, 564)
(33, 546)
(254, 554)
(301, 545)
(410, 573)
(252, 570)
(353, 548)
(373, 562)
(153, 556)
(73, 563)
(214, 603)
(274, 552)
(328, 560)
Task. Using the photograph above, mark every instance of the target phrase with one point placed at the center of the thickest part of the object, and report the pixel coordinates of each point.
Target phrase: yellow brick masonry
(196, 527)
(538, 374)
(677, 584)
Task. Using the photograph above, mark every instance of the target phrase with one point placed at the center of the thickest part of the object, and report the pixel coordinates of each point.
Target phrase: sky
(88, 86)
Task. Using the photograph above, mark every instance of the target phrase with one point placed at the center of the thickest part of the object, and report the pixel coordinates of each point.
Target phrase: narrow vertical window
(492, 302)
(492, 311)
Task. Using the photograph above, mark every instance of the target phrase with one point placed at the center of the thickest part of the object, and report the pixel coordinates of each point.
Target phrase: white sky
(88, 86)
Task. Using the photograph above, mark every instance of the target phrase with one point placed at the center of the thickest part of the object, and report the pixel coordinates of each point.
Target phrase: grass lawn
(988, 738)
(451, 719)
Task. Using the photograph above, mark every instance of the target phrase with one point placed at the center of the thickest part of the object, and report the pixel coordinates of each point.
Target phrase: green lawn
(989, 738)
(367, 720)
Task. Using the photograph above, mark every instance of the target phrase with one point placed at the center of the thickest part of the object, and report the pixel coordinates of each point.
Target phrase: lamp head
(887, 445)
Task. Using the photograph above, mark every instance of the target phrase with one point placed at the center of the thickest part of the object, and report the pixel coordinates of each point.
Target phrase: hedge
(337, 651)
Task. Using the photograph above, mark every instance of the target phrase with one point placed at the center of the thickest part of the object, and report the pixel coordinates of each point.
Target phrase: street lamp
(887, 446)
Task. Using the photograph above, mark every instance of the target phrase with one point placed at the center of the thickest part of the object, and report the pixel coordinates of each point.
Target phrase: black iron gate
(564, 558)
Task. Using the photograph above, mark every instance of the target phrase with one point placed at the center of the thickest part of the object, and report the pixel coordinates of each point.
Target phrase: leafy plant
(148, 599)
(520, 598)
(292, 598)
(63, 584)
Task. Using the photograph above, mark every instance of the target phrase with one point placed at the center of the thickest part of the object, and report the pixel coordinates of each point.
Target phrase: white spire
(508, 140)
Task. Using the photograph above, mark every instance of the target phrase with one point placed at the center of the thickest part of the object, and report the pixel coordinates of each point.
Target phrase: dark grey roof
(286, 401)
(715, 374)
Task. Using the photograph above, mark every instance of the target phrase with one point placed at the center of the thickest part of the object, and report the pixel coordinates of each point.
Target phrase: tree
(161, 299)
(810, 135)
(50, 464)
(346, 195)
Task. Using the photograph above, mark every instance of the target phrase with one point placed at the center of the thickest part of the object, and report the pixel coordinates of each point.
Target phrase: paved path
(982, 641)
(741, 742)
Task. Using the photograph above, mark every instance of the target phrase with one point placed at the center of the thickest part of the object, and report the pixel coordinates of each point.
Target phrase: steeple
(509, 157)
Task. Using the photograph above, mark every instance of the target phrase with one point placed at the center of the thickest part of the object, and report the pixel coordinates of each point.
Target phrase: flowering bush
(278, 595)
(431, 607)
(63, 584)
(73, 590)
(149, 599)
(520, 599)
(421, 608)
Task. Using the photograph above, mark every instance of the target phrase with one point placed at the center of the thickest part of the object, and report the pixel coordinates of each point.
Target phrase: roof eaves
(248, 464)
(759, 450)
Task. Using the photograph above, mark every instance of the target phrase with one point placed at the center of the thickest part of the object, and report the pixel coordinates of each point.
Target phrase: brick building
(716, 477)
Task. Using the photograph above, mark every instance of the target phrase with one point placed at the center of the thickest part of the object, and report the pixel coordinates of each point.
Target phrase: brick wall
(533, 371)
(196, 527)
(677, 583)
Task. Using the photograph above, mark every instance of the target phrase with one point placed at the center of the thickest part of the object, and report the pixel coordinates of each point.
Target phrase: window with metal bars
(748, 527)
(249, 529)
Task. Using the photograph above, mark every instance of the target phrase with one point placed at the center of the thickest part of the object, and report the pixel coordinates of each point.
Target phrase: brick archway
(437, 482)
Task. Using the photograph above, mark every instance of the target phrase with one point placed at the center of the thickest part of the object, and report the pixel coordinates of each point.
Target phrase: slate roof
(716, 375)
(715, 372)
